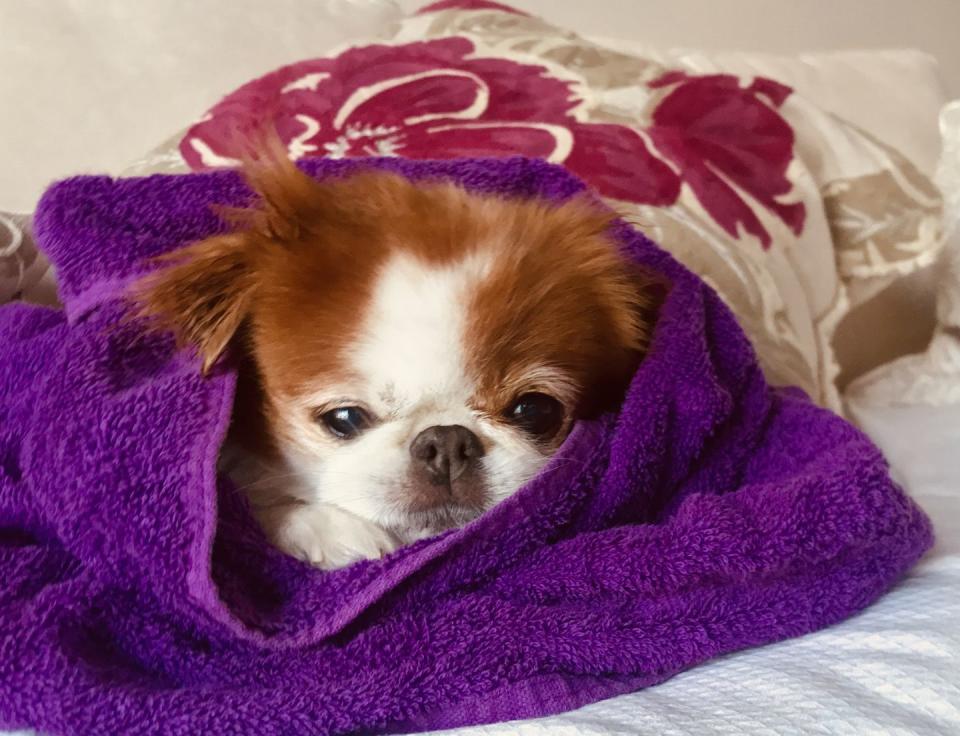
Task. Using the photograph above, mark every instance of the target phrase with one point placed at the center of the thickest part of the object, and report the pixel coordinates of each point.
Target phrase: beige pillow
(786, 241)
(24, 272)
(892, 99)
(931, 377)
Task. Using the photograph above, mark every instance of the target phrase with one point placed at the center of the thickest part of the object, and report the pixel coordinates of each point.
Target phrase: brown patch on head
(563, 311)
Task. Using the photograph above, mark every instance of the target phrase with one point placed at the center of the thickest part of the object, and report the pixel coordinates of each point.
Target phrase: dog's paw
(329, 537)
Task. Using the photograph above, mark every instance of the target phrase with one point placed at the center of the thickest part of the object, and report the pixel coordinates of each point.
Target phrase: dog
(410, 353)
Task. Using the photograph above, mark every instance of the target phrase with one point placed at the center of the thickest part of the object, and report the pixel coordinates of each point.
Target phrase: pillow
(890, 301)
(24, 272)
(767, 196)
(932, 377)
(855, 85)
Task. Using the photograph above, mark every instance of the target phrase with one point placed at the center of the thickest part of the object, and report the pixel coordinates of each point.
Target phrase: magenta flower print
(438, 99)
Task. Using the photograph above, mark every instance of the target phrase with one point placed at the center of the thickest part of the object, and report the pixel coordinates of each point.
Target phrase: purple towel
(137, 596)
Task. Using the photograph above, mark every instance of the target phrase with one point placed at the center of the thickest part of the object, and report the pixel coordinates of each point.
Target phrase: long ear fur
(288, 200)
(202, 296)
(202, 292)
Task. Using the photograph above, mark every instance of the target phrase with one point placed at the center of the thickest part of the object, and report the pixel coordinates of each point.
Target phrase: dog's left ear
(202, 293)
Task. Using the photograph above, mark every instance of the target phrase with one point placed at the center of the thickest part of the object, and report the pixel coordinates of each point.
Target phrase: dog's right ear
(202, 293)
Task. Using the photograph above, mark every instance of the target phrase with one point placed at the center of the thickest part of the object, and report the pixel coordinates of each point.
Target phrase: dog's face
(420, 351)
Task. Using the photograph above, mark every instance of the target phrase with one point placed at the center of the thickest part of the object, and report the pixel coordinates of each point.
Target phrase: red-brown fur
(296, 274)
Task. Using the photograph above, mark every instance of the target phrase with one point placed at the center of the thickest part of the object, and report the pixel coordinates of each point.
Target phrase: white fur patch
(410, 363)
(412, 347)
(327, 536)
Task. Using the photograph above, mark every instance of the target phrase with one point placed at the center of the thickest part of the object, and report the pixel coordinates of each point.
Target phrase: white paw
(329, 537)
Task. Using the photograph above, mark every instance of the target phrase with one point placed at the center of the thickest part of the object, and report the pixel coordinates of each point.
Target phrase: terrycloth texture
(711, 514)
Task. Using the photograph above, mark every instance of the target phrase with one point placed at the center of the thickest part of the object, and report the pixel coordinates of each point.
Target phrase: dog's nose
(445, 452)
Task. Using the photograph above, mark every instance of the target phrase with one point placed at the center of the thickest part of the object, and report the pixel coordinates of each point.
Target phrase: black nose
(445, 453)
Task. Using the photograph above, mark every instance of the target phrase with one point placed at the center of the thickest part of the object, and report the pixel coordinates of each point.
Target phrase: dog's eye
(537, 414)
(346, 422)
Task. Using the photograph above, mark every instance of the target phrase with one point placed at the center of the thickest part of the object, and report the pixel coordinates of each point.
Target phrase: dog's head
(420, 350)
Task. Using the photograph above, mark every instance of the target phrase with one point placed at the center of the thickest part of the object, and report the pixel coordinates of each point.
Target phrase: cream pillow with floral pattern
(731, 174)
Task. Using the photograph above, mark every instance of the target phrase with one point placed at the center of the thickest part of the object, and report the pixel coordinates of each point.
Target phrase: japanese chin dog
(410, 353)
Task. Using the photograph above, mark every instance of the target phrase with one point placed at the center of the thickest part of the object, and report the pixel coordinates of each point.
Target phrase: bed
(894, 669)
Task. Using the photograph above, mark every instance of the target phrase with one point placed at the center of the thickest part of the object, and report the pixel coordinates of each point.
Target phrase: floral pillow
(24, 272)
(710, 165)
